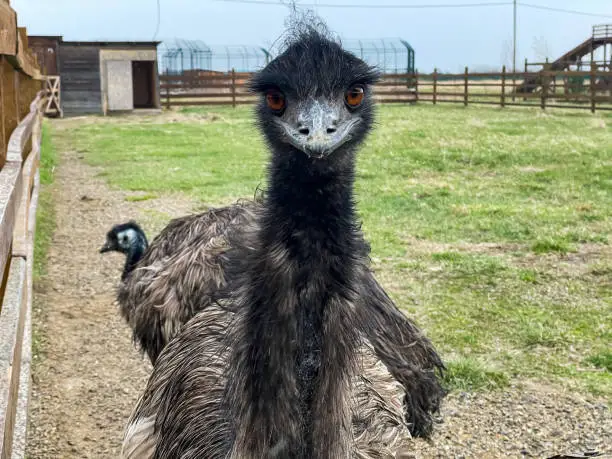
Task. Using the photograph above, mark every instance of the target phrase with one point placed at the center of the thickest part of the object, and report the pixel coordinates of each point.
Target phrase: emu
(129, 239)
(165, 283)
(269, 369)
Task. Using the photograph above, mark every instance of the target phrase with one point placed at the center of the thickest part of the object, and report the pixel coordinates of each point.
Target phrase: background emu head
(123, 238)
(315, 98)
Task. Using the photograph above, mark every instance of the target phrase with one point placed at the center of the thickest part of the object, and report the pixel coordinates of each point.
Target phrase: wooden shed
(101, 76)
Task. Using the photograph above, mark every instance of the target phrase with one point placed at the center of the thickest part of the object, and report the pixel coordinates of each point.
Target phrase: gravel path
(89, 375)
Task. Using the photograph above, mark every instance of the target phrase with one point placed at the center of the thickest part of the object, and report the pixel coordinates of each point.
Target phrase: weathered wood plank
(81, 79)
(20, 433)
(12, 322)
(20, 230)
(8, 30)
(23, 133)
(21, 417)
(25, 58)
(10, 194)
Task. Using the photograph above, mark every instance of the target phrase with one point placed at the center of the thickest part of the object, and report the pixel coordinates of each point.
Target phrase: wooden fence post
(593, 88)
(233, 88)
(17, 99)
(503, 87)
(545, 82)
(435, 86)
(416, 83)
(3, 104)
(466, 82)
(168, 95)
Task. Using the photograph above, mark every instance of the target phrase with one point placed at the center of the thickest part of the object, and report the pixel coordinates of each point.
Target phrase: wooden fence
(545, 89)
(231, 89)
(22, 102)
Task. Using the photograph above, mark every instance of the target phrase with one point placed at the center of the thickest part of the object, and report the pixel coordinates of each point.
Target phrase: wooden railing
(232, 89)
(22, 103)
(602, 31)
(19, 184)
(546, 89)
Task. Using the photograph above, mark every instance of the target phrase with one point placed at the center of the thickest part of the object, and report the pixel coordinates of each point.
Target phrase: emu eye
(276, 100)
(354, 96)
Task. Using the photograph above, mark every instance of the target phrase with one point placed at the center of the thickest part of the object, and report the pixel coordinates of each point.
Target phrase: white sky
(446, 38)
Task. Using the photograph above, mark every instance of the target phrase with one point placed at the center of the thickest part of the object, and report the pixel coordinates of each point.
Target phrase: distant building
(101, 76)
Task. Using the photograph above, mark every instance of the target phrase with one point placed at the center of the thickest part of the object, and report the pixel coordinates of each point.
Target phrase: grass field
(491, 227)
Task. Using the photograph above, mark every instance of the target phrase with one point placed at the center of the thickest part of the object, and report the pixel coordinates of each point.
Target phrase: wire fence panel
(390, 56)
(183, 57)
(178, 57)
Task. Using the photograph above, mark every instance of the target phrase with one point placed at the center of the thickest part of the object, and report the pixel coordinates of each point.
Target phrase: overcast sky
(448, 38)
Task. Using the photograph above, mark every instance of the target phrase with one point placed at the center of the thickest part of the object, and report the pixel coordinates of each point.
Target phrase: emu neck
(317, 198)
(301, 336)
(134, 255)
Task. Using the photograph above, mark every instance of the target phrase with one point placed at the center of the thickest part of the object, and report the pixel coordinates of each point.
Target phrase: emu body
(271, 367)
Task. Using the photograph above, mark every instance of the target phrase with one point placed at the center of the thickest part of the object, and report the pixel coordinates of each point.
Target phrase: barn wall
(47, 53)
(80, 72)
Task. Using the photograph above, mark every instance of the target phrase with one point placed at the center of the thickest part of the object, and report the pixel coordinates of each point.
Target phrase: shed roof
(111, 44)
(100, 43)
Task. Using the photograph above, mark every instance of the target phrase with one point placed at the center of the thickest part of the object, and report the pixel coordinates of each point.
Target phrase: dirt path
(90, 375)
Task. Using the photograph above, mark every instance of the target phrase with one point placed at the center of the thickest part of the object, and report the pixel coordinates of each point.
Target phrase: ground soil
(88, 375)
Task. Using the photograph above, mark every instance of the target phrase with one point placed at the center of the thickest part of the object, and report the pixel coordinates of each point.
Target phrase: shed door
(119, 88)
(143, 84)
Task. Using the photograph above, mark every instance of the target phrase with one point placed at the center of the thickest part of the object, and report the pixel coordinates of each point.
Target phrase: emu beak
(107, 247)
(319, 130)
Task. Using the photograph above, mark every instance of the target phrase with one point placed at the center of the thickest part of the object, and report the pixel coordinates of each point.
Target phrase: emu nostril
(331, 130)
(304, 131)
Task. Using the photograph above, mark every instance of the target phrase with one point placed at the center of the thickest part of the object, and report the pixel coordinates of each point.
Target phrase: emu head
(315, 98)
(124, 238)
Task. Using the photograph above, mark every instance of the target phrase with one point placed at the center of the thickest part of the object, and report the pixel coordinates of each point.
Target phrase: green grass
(547, 246)
(45, 226)
(602, 360)
(469, 374)
(140, 197)
(45, 214)
(490, 227)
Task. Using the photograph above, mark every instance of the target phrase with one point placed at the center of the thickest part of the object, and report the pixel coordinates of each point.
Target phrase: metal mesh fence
(178, 56)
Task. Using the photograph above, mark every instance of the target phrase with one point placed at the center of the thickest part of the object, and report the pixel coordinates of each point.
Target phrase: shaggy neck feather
(299, 353)
(133, 256)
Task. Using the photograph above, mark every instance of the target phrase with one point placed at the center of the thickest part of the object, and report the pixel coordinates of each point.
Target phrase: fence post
(592, 87)
(3, 138)
(17, 99)
(465, 95)
(545, 81)
(233, 88)
(416, 83)
(435, 86)
(168, 95)
(503, 87)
